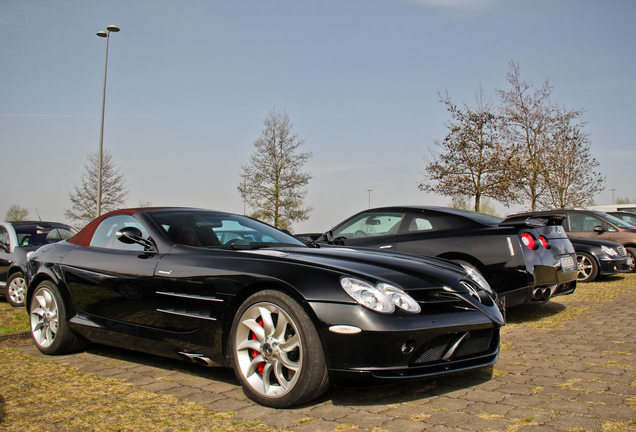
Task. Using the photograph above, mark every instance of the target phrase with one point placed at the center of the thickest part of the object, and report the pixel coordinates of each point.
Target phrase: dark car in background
(597, 225)
(17, 239)
(525, 260)
(288, 317)
(600, 258)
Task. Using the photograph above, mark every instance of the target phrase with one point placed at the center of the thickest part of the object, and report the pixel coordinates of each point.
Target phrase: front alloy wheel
(276, 352)
(16, 289)
(48, 322)
(587, 267)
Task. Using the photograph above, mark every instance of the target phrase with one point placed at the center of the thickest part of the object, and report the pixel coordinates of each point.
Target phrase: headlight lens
(381, 298)
(399, 298)
(477, 277)
(609, 251)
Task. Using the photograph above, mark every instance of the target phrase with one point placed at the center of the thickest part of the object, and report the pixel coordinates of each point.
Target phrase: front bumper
(388, 348)
(614, 266)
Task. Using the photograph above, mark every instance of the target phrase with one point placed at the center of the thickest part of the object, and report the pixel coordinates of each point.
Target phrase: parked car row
(599, 226)
(390, 294)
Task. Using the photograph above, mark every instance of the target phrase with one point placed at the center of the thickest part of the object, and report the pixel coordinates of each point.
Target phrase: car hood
(363, 260)
(410, 272)
(593, 242)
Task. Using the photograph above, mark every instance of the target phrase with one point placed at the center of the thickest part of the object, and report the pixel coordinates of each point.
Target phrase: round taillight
(529, 241)
(544, 242)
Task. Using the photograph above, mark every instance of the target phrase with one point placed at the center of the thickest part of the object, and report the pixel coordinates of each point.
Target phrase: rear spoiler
(534, 220)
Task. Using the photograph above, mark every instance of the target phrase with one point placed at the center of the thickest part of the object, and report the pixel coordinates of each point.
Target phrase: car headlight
(381, 298)
(479, 278)
(609, 251)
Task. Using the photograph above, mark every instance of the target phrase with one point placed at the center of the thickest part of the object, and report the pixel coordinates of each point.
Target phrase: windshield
(29, 235)
(212, 229)
(613, 219)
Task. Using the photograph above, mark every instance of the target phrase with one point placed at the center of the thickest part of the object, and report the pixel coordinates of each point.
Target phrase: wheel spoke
(249, 344)
(290, 344)
(253, 366)
(268, 321)
(281, 327)
(256, 328)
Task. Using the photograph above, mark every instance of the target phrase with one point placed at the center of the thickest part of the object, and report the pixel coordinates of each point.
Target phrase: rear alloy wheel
(632, 252)
(587, 267)
(276, 351)
(16, 289)
(48, 322)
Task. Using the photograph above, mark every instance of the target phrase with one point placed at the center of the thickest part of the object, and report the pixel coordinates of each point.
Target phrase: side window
(576, 222)
(104, 236)
(4, 236)
(420, 224)
(593, 221)
(370, 225)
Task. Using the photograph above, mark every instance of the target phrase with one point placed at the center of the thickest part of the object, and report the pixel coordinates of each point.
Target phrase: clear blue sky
(190, 82)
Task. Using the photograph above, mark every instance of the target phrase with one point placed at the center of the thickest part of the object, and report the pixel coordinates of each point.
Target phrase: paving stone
(573, 422)
(571, 377)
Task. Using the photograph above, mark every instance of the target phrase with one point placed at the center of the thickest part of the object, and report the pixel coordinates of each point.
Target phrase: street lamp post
(369, 191)
(104, 34)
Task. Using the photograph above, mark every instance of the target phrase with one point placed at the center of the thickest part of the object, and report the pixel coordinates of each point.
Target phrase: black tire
(49, 328)
(632, 252)
(587, 267)
(276, 352)
(16, 289)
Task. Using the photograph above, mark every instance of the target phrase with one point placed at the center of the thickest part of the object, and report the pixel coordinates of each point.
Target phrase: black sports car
(600, 258)
(526, 260)
(17, 239)
(291, 319)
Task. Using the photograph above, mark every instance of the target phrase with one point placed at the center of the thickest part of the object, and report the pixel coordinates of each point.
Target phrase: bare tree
(570, 176)
(84, 196)
(272, 183)
(541, 132)
(16, 213)
(485, 206)
(473, 163)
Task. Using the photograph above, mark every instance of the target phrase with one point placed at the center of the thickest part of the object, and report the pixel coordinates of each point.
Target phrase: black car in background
(290, 318)
(525, 260)
(596, 225)
(17, 239)
(600, 258)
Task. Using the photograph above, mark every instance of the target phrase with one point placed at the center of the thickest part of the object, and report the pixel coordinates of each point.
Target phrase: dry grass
(12, 320)
(38, 392)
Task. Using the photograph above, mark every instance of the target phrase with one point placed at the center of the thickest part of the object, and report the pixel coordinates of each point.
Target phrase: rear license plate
(567, 263)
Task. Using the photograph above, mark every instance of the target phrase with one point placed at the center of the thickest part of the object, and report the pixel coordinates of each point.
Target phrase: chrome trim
(189, 296)
(186, 314)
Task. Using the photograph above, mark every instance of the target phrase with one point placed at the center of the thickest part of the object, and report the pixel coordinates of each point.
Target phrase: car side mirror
(328, 236)
(133, 235)
(599, 229)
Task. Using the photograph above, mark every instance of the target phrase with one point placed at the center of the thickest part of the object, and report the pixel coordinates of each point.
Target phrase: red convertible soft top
(83, 238)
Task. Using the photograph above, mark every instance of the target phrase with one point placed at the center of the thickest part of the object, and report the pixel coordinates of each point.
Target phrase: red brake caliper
(261, 366)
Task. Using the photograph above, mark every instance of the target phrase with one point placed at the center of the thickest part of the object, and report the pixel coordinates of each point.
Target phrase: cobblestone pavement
(580, 376)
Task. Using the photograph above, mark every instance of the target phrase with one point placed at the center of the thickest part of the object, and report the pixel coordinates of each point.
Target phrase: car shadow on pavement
(410, 391)
(407, 392)
(533, 313)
